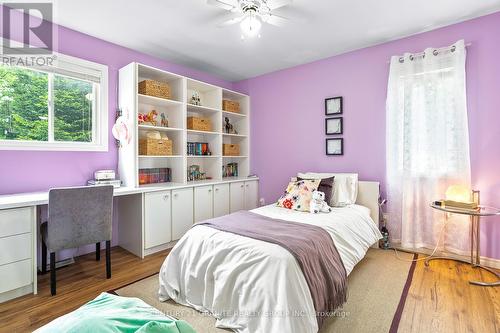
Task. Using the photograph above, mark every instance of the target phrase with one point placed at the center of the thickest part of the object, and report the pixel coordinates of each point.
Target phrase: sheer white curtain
(427, 146)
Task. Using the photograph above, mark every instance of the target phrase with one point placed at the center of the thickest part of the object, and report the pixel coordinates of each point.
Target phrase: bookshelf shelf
(202, 132)
(203, 156)
(158, 128)
(160, 156)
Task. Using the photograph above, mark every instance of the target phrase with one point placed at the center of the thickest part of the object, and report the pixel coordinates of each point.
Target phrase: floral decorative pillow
(298, 195)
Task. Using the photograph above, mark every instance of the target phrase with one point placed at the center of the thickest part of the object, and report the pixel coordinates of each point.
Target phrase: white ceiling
(186, 32)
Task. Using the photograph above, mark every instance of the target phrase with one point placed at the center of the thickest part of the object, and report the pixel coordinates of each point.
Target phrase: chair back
(79, 216)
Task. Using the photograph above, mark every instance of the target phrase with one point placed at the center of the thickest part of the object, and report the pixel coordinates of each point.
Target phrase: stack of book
(155, 175)
(457, 205)
(230, 170)
(197, 148)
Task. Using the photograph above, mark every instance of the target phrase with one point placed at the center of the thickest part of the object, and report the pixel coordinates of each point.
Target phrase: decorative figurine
(194, 173)
(228, 127)
(195, 98)
(148, 118)
(164, 120)
(140, 118)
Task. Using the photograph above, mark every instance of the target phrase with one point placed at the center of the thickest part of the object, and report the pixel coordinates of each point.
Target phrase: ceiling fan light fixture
(251, 24)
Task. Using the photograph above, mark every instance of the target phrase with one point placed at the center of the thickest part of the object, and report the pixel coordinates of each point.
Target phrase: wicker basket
(155, 147)
(230, 106)
(199, 124)
(154, 88)
(230, 149)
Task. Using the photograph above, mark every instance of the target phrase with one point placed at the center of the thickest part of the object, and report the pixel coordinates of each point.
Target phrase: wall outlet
(262, 201)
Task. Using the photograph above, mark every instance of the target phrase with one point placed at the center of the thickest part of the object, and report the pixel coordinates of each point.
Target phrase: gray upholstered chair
(77, 216)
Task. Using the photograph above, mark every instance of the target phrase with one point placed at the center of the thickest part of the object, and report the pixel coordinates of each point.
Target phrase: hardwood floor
(439, 300)
(76, 285)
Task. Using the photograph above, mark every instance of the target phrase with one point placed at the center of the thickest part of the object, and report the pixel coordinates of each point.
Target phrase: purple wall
(288, 114)
(27, 171)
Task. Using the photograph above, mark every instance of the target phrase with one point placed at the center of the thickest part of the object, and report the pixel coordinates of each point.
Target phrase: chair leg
(52, 273)
(97, 251)
(44, 258)
(108, 259)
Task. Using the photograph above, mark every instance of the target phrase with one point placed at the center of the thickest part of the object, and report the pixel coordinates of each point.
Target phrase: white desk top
(42, 198)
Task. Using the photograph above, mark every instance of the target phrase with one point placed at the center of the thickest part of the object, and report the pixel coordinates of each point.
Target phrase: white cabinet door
(157, 219)
(237, 196)
(251, 194)
(182, 212)
(221, 200)
(203, 203)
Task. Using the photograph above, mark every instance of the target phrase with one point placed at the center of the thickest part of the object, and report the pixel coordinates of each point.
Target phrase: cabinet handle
(241, 186)
(216, 189)
(246, 185)
(176, 195)
(166, 197)
(209, 190)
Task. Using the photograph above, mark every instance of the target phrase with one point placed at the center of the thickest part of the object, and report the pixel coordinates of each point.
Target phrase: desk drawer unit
(17, 239)
(16, 275)
(15, 248)
(15, 221)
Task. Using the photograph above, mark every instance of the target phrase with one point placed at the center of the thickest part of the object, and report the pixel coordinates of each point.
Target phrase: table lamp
(459, 193)
(460, 196)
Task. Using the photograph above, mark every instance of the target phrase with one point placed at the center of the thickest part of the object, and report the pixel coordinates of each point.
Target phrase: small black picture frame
(334, 106)
(334, 126)
(335, 147)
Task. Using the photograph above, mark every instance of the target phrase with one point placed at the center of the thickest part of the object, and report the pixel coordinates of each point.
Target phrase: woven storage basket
(155, 147)
(154, 88)
(230, 149)
(199, 124)
(230, 106)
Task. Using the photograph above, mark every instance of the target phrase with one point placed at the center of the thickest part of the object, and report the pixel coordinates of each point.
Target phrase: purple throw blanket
(312, 247)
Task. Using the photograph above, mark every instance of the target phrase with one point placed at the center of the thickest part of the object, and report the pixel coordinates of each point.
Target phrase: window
(62, 107)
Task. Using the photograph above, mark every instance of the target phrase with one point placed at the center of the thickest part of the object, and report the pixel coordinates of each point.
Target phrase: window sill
(51, 146)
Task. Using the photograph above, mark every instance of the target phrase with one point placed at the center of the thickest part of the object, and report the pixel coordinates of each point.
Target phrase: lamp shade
(458, 193)
(251, 24)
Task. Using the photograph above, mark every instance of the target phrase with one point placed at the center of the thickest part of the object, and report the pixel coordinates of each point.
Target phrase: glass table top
(481, 211)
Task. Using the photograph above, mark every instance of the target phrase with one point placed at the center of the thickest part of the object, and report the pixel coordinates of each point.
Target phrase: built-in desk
(151, 218)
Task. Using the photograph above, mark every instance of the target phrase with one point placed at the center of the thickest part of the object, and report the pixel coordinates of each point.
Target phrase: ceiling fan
(252, 13)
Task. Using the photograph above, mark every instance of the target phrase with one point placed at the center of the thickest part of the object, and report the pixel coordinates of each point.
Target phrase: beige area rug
(376, 286)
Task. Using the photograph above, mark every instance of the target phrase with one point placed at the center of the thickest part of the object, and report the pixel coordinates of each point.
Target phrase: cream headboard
(368, 195)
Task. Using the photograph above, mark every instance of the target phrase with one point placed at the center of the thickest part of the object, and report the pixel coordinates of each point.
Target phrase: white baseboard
(485, 261)
(490, 262)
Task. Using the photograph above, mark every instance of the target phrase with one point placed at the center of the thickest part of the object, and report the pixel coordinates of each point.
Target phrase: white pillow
(345, 186)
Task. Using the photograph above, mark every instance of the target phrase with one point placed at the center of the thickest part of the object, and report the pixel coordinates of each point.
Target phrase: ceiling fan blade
(231, 21)
(226, 4)
(275, 4)
(276, 20)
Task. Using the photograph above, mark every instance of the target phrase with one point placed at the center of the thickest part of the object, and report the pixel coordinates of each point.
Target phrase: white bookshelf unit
(177, 109)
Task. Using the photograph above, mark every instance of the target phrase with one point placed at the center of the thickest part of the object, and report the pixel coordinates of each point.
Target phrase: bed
(250, 285)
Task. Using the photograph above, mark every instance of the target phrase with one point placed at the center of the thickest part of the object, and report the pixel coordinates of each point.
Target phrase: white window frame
(100, 116)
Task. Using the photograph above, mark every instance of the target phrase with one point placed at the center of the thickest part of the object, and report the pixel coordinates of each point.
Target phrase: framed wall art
(334, 106)
(333, 125)
(335, 146)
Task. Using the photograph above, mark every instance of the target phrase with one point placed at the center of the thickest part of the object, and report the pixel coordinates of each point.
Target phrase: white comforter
(253, 286)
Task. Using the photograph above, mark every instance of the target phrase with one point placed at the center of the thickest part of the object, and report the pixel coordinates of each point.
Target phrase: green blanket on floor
(111, 313)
